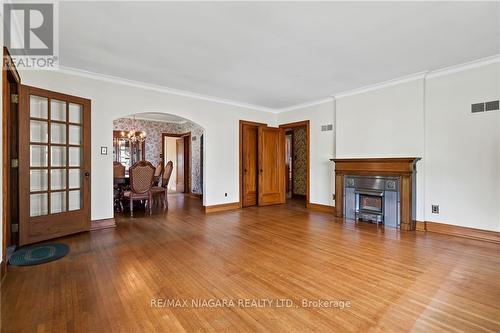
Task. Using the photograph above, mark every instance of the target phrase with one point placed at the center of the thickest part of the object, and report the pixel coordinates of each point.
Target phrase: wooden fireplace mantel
(403, 167)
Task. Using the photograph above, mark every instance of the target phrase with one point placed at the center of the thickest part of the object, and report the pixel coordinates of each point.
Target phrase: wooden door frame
(289, 131)
(187, 156)
(306, 124)
(9, 76)
(244, 122)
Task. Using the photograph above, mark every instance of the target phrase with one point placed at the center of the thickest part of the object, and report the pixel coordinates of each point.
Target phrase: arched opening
(158, 138)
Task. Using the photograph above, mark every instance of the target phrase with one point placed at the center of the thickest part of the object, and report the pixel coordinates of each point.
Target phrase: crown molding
(380, 85)
(465, 66)
(136, 117)
(304, 105)
(159, 88)
(408, 78)
(422, 75)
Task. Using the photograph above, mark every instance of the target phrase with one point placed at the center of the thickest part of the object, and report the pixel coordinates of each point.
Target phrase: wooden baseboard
(420, 225)
(322, 208)
(455, 230)
(222, 207)
(3, 270)
(102, 224)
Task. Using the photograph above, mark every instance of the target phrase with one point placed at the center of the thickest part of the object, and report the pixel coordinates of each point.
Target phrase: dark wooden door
(179, 143)
(249, 160)
(271, 153)
(54, 165)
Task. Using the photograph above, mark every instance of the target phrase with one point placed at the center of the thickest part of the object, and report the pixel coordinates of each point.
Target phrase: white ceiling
(163, 117)
(273, 54)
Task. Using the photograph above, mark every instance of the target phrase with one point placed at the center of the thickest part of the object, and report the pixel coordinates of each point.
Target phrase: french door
(54, 165)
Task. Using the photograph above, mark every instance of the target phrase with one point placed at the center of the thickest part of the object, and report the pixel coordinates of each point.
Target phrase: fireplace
(380, 190)
(373, 199)
(370, 202)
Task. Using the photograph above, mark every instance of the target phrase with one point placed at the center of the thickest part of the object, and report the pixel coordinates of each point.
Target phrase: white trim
(408, 78)
(380, 85)
(163, 89)
(180, 122)
(465, 66)
(304, 105)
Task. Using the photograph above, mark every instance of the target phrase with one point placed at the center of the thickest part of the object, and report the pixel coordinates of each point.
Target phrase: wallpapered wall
(154, 130)
(300, 161)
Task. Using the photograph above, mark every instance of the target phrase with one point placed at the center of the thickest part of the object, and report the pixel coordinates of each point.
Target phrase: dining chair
(141, 181)
(158, 172)
(158, 191)
(118, 170)
(118, 188)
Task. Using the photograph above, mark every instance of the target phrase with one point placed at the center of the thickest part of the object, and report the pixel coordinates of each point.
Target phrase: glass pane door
(56, 155)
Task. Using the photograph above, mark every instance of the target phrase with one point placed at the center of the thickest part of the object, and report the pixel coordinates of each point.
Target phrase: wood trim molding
(102, 224)
(11, 82)
(420, 226)
(321, 208)
(187, 157)
(222, 207)
(459, 231)
(402, 167)
(3, 270)
(306, 124)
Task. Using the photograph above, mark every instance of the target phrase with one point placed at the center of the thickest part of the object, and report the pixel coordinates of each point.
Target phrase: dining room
(155, 155)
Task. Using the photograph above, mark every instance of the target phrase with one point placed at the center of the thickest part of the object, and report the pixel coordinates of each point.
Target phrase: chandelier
(134, 135)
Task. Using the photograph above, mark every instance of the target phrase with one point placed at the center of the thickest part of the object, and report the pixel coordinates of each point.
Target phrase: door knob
(260, 170)
(86, 174)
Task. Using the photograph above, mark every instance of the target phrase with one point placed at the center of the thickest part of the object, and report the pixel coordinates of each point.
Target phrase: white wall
(430, 118)
(387, 122)
(463, 149)
(111, 100)
(322, 184)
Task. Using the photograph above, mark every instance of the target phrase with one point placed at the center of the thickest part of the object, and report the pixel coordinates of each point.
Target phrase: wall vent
(478, 107)
(325, 128)
(485, 106)
(492, 106)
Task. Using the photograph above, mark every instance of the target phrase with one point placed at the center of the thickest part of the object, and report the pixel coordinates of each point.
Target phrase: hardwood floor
(395, 281)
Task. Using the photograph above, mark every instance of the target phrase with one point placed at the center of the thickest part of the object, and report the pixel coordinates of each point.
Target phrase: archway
(158, 131)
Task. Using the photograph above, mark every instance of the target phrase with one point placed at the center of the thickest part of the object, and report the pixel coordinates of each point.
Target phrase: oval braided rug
(38, 254)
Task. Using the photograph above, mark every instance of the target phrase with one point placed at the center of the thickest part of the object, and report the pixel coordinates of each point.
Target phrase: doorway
(297, 162)
(177, 148)
(262, 168)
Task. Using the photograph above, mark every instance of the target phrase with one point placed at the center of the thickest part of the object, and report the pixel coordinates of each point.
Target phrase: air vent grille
(325, 128)
(478, 107)
(485, 106)
(492, 106)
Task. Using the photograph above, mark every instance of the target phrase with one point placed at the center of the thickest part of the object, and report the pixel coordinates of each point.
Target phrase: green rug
(38, 254)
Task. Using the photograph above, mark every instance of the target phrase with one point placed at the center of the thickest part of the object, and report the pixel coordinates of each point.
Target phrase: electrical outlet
(225, 194)
(435, 209)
